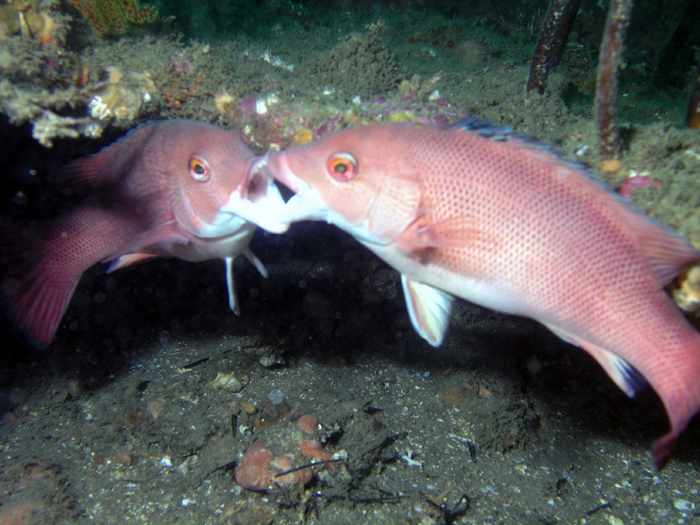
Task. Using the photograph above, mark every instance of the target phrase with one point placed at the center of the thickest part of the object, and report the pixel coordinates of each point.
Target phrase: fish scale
(505, 223)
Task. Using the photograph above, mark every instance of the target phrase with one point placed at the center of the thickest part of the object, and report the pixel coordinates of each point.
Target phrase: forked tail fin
(33, 298)
(41, 263)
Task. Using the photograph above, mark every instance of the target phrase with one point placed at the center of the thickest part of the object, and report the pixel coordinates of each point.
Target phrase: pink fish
(499, 220)
(169, 188)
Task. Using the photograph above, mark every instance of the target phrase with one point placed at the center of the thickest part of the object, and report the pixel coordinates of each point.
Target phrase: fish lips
(306, 203)
(258, 200)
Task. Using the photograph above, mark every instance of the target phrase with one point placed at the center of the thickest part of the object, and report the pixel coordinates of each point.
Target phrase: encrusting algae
(113, 17)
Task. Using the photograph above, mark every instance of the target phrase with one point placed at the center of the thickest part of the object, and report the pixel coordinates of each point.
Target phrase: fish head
(212, 165)
(362, 180)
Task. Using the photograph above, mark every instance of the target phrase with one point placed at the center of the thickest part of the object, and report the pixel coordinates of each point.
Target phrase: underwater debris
(276, 61)
(50, 126)
(31, 19)
(120, 101)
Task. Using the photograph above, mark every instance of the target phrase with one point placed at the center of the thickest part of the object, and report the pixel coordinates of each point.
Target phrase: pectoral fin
(158, 239)
(428, 308)
(455, 232)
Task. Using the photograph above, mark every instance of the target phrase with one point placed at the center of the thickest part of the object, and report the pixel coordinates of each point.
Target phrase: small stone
(249, 408)
(683, 505)
(308, 423)
(271, 359)
(275, 397)
(611, 166)
(482, 391)
(227, 381)
(253, 472)
(155, 407)
(122, 458)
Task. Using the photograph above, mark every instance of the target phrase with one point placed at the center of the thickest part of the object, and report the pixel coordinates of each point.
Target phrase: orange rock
(298, 477)
(19, 513)
(308, 423)
(611, 166)
(314, 450)
(283, 462)
(253, 472)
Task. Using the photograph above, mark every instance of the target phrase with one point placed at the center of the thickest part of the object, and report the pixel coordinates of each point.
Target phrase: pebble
(227, 381)
(249, 408)
(275, 397)
(683, 504)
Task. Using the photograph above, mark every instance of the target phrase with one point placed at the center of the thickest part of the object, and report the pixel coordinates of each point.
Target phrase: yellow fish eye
(199, 170)
(342, 167)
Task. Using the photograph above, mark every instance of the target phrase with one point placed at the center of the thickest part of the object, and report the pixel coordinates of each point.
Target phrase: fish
(169, 188)
(497, 218)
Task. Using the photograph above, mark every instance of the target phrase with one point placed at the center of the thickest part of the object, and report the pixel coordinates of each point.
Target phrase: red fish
(499, 220)
(168, 188)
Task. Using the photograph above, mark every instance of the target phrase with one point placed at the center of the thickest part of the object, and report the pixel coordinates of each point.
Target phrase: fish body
(499, 220)
(167, 188)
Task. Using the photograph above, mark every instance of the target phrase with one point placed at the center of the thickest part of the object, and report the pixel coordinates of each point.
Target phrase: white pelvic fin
(232, 299)
(256, 262)
(428, 308)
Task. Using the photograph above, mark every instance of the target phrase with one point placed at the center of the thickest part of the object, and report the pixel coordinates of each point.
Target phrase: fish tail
(678, 387)
(663, 449)
(31, 296)
(41, 263)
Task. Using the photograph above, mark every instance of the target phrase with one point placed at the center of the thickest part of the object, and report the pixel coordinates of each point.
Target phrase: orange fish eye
(342, 167)
(199, 170)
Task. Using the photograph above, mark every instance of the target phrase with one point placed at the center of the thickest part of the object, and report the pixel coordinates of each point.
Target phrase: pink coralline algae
(284, 123)
(258, 470)
(637, 182)
(291, 459)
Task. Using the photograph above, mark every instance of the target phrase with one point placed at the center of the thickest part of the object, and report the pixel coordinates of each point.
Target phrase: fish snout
(276, 166)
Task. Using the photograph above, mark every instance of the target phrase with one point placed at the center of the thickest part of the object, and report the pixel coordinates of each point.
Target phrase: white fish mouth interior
(258, 200)
(258, 182)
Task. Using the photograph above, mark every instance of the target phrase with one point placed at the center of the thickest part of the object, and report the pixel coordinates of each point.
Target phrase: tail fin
(34, 297)
(663, 449)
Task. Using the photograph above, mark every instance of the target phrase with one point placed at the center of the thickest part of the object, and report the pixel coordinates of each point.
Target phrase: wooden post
(609, 63)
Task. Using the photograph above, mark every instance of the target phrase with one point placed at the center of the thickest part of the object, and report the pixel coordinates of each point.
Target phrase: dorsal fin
(667, 252)
(84, 172)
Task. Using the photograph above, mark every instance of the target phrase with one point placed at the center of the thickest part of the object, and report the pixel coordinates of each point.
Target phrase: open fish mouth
(258, 199)
(306, 204)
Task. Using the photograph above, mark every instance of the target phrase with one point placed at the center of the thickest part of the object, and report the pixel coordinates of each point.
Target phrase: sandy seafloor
(121, 418)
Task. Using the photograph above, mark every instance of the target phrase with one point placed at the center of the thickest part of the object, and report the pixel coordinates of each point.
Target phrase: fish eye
(199, 170)
(342, 167)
